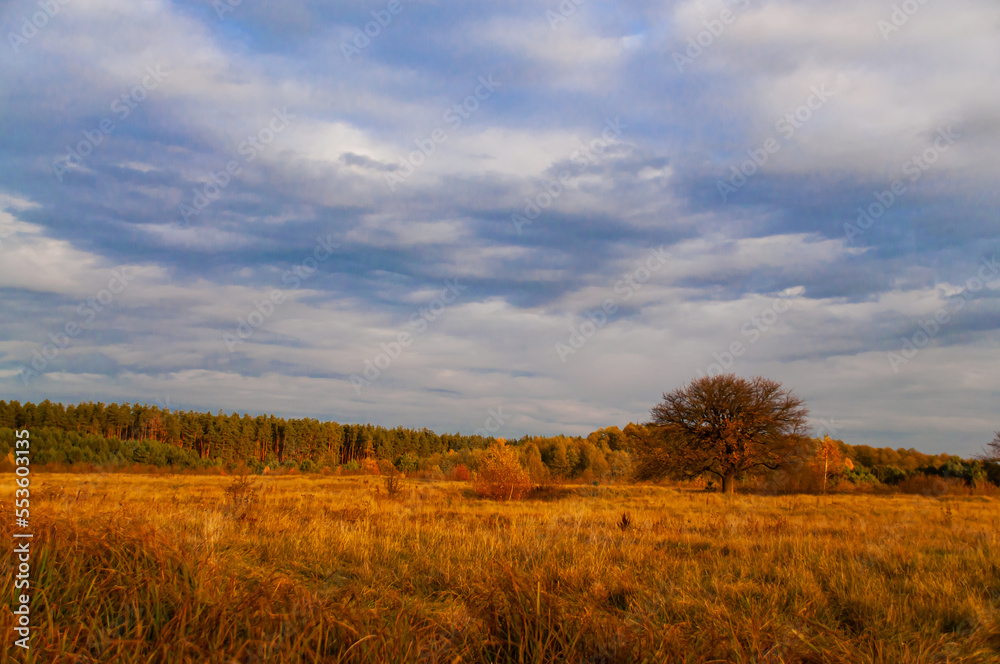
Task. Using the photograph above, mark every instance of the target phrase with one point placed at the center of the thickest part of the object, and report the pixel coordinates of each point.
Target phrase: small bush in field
(242, 493)
(625, 522)
(459, 473)
(393, 483)
(501, 476)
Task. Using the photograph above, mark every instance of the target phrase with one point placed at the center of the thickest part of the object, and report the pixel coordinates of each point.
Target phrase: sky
(514, 217)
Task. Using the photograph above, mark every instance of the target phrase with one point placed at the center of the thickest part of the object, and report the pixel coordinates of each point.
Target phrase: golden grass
(131, 568)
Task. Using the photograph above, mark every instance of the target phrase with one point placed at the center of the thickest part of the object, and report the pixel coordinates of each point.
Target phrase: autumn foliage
(830, 462)
(501, 476)
(724, 426)
(459, 473)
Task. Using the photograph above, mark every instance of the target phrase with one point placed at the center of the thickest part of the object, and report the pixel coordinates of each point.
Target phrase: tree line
(261, 439)
(125, 434)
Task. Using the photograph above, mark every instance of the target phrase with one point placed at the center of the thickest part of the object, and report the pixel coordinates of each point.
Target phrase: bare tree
(992, 451)
(723, 426)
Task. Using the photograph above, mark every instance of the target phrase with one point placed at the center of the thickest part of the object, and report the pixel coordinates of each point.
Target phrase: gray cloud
(656, 185)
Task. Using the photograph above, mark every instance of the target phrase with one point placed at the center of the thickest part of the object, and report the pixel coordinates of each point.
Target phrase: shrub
(625, 522)
(459, 473)
(242, 493)
(892, 475)
(860, 475)
(407, 463)
(992, 469)
(393, 483)
(501, 476)
(970, 472)
(928, 485)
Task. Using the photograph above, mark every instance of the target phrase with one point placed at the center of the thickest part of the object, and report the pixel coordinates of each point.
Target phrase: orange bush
(501, 476)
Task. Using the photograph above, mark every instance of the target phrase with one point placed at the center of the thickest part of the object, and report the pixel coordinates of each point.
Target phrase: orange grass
(132, 568)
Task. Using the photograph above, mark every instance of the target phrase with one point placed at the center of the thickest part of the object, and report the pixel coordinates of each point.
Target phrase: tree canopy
(723, 426)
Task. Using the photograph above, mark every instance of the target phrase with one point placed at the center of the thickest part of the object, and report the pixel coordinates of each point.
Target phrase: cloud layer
(412, 212)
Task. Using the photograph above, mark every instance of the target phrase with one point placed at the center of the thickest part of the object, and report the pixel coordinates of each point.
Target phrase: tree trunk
(729, 483)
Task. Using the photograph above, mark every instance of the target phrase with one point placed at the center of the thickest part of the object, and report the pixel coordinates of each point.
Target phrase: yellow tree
(830, 460)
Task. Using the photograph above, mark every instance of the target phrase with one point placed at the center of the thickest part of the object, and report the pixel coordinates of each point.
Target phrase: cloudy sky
(420, 212)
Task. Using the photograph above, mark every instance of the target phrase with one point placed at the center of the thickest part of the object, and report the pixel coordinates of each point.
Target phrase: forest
(124, 435)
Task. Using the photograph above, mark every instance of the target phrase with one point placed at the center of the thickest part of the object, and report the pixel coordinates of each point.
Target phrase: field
(133, 568)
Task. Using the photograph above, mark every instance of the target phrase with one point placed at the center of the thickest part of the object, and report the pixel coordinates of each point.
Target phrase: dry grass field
(133, 568)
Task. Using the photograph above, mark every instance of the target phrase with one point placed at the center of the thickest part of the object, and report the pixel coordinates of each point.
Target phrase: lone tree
(724, 426)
